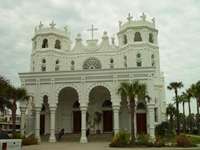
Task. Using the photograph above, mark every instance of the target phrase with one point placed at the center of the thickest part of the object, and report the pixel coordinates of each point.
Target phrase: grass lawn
(195, 138)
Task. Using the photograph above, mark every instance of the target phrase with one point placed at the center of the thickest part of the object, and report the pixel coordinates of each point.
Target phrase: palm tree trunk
(132, 109)
(190, 121)
(184, 121)
(14, 108)
(177, 113)
(198, 117)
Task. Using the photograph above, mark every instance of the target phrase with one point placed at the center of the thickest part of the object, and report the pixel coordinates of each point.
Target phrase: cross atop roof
(129, 18)
(92, 29)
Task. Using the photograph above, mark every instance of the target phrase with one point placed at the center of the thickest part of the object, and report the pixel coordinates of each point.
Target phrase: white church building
(75, 87)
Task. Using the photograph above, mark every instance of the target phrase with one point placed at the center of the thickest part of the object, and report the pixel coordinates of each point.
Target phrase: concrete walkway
(89, 146)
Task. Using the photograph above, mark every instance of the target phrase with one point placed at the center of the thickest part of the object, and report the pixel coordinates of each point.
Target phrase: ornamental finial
(129, 18)
(40, 25)
(52, 24)
(143, 16)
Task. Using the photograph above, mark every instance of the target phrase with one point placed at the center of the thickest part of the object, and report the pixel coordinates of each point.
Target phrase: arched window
(45, 43)
(72, 65)
(43, 68)
(57, 44)
(137, 37)
(92, 63)
(152, 60)
(111, 63)
(139, 63)
(125, 41)
(151, 38)
(57, 62)
(43, 61)
(138, 55)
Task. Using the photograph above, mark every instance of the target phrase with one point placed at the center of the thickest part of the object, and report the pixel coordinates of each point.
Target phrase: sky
(178, 23)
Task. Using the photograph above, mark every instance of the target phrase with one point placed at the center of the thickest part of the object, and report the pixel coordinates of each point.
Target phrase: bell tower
(46, 43)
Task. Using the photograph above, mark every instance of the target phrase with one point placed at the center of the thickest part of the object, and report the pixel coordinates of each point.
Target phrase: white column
(116, 118)
(37, 123)
(52, 137)
(83, 124)
(151, 121)
(22, 123)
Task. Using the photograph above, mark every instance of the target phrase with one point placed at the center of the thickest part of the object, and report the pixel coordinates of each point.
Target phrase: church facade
(75, 87)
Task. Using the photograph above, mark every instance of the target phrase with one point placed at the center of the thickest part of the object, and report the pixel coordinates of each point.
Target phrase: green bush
(31, 140)
(143, 139)
(183, 141)
(121, 139)
(164, 130)
(17, 136)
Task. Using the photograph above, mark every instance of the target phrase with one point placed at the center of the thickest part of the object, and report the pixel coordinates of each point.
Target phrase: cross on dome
(52, 24)
(92, 29)
(129, 18)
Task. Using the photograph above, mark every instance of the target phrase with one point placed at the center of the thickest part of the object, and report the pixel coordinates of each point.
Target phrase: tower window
(139, 63)
(138, 55)
(57, 44)
(111, 63)
(152, 60)
(72, 65)
(151, 38)
(57, 62)
(43, 61)
(125, 41)
(43, 68)
(137, 37)
(45, 43)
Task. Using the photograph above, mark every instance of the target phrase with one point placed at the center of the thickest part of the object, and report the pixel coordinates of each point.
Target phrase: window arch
(152, 60)
(151, 38)
(58, 44)
(57, 65)
(72, 65)
(125, 41)
(107, 104)
(45, 43)
(138, 55)
(57, 62)
(43, 68)
(137, 37)
(111, 63)
(92, 63)
(76, 104)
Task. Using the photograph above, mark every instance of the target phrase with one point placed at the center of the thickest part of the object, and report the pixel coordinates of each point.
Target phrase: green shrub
(121, 139)
(31, 140)
(183, 141)
(17, 136)
(143, 139)
(164, 130)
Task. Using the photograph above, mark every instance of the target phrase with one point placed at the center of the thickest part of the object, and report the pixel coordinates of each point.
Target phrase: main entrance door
(77, 121)
(141, 123)
(107, 121)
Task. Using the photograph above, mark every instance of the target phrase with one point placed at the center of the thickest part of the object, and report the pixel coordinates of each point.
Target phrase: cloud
(178, 24)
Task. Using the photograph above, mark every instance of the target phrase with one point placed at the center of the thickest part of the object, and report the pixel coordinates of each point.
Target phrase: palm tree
(171, 111)
(195, 91)
(131, 91)
(183, 99)
(7, 93)
(175, 86)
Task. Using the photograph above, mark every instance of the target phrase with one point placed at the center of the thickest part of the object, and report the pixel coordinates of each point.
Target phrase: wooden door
(42, 124)
(141, 123)
(77, 121)
(107, 121)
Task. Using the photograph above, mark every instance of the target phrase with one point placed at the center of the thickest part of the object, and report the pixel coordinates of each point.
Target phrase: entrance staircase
(105, 137)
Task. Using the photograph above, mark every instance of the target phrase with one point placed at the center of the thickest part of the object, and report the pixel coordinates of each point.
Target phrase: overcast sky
(178, 23)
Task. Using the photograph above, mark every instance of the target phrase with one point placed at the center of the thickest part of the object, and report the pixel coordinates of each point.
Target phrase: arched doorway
(44, 116)
(141, 118)
(107, 116)
(67, 104)
(100, 116)
(76, 117)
